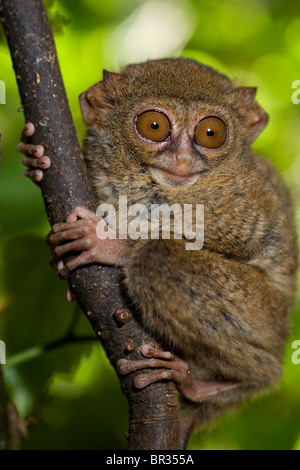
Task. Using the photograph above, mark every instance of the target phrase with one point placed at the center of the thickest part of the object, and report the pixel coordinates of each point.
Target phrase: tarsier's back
(175, 131)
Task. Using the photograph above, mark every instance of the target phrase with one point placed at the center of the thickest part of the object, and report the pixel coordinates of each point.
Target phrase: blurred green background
(71, 388)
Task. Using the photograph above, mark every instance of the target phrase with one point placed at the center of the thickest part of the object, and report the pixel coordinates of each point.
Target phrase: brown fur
(226, 308)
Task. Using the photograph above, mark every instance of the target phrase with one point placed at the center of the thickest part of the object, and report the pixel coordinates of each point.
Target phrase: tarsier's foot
(35, 160)
(173, 368)
(79, 233)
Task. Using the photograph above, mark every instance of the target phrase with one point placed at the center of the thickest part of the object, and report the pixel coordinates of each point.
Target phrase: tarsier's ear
(110, 78)
(94, 100)
(91, 101)
(255, 117)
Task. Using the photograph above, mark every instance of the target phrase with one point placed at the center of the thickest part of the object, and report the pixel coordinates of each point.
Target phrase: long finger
(81, 212)
(149, 351)
(125, 367)
(42, 162)
(77, 245)
(69, 234)
(27, 132)
(84, 258)
(36, 151)
(34, 175)
(64, 226)
(143, 380)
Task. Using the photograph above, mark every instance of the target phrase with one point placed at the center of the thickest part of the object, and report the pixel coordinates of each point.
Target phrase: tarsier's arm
(80, 233)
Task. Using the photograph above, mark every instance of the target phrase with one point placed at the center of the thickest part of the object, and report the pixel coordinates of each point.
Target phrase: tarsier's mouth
(168, 178)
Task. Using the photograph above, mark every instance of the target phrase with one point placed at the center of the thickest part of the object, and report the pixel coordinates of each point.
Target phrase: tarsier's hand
(78, 233)
(34, 159)
(81, 235)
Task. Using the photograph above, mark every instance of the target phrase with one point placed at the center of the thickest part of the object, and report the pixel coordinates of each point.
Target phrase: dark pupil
(210, 132)
(154, 125)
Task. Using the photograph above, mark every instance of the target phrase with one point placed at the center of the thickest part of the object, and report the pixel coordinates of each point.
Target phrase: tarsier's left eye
(211, 132)
(153, 125)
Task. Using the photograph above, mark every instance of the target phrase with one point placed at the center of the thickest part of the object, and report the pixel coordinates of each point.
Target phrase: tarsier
(176, 131)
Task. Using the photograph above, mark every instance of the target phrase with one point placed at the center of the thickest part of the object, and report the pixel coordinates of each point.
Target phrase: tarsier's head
(174, 119)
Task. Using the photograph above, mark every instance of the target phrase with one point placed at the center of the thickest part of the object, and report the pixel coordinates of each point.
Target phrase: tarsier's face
(175, 118)
(183, 149)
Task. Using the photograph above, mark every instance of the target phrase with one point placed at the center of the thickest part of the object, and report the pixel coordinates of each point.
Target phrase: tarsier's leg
(172, 368)
(229, 326)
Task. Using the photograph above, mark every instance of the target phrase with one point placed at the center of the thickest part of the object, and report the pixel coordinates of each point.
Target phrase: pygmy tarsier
(176, 131)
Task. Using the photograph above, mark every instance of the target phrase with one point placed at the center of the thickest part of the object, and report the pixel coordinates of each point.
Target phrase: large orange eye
(153, 125)
(211, 132)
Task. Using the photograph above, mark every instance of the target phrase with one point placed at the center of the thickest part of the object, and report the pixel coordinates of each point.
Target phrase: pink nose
(183, 162)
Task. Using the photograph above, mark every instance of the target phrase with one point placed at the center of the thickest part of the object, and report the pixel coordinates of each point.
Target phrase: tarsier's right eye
(153, 126)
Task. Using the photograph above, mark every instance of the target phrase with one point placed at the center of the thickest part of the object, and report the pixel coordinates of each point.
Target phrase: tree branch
(154, 411)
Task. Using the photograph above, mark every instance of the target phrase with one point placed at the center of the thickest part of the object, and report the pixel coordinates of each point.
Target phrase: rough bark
(154, 411)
